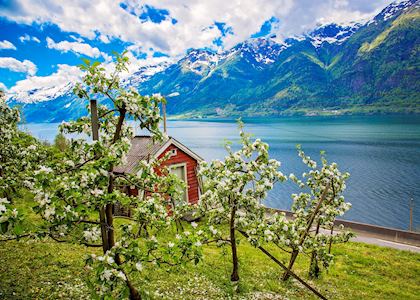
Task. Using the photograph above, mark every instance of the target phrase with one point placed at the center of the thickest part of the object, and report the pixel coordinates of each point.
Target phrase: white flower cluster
(7, 212)
(93, 234)
(20, 154)
(322, 204)
(239, 183)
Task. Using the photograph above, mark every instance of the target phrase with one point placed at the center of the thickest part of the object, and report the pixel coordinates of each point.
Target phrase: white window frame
(174, 166)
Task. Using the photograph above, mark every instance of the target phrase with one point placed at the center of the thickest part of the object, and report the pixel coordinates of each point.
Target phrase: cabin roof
(144, 148)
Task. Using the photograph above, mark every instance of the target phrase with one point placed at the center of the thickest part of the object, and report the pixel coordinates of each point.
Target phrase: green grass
(50, 270)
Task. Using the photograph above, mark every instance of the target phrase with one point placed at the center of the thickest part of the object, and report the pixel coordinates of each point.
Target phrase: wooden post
(95, 119)
(164, 117)
(411, 214)
(95, 137)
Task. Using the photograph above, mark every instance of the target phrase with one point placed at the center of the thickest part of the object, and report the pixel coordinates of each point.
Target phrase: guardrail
(386, 233)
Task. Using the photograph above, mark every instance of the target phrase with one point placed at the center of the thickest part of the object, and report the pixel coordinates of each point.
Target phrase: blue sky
(42, 41)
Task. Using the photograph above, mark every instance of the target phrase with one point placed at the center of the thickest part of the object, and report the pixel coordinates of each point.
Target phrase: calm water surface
(382, 154)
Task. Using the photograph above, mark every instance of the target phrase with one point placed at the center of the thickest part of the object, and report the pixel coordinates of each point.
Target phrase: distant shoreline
(313, 114)
(211, 118)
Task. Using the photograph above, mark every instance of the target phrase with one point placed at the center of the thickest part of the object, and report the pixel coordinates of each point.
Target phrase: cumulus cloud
(40, 88)
(28, 38)
(7, 45)
(75, 47)
(3, 87)
(179, 25)
(307, 14)
(25, 66)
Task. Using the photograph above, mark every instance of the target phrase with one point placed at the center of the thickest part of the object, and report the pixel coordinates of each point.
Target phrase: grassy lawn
(50, 270)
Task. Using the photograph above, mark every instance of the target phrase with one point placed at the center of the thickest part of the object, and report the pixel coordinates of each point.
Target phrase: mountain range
(370, 67)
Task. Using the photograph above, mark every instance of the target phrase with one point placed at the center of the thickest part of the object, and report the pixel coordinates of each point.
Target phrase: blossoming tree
(76, 192)
(234, 189)
(315, 210)
(19, 155)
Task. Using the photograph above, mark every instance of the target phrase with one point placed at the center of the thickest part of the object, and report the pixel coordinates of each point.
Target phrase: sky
(43, 41)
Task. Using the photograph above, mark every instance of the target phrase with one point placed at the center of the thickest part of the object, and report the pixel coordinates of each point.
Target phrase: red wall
(192, 180)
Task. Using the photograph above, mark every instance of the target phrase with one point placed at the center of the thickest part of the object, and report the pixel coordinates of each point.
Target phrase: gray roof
(142, 148)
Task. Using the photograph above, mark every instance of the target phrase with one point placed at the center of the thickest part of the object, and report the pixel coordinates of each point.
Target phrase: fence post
(411, 214)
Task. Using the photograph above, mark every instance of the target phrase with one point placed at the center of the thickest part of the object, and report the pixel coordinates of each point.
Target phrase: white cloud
(28, 38)
(307, 14)
(7, 45)
(25, 66)
(75, 47)
(104, 39)
(193, 29)
(110, 20)
(42, 88)
(3, 87)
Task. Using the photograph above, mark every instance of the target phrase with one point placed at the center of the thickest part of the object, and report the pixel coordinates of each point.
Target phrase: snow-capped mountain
(52, 92)
(332, 33)
(200, 61)
(395, 9)
(43, 94)
(330, 61)
(143, 73)
(258, 51)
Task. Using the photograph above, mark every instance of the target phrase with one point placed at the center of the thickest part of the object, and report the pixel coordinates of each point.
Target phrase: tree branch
(286, 269)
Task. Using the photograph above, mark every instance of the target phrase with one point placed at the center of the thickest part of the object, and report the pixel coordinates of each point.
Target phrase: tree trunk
(109, 207)
(314, 270)
(292, 260)
(104, 230)
(234, 277)
(134, 294)
(106, 214)
(295, 253)
(95, 137)
(109, 214)
(109, 210)
(331, 237)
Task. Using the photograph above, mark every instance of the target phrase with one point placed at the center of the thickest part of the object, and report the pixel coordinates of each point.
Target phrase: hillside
(359, 68)
(335, 69)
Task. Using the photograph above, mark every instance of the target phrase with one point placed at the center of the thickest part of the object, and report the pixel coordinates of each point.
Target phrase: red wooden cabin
(182, 161)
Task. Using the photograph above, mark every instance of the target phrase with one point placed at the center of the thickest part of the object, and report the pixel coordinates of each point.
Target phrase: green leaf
(86, 61)
(18, 229)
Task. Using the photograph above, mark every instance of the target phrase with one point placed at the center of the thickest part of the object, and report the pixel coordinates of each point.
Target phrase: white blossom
(139, 266)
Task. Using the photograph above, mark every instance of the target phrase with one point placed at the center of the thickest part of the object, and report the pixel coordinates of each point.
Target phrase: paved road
(384, 243)
(376, 239)
(367, 238)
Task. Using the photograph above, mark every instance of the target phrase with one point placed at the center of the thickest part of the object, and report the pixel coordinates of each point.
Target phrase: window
(172, 152)
(180, 170)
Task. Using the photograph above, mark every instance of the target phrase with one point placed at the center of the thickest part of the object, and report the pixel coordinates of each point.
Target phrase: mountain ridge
(334, 69)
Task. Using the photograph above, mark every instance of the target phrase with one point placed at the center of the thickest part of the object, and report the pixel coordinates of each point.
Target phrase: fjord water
(382, 154)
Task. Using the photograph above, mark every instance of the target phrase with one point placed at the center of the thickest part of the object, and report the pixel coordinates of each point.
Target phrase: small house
(182, 161)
